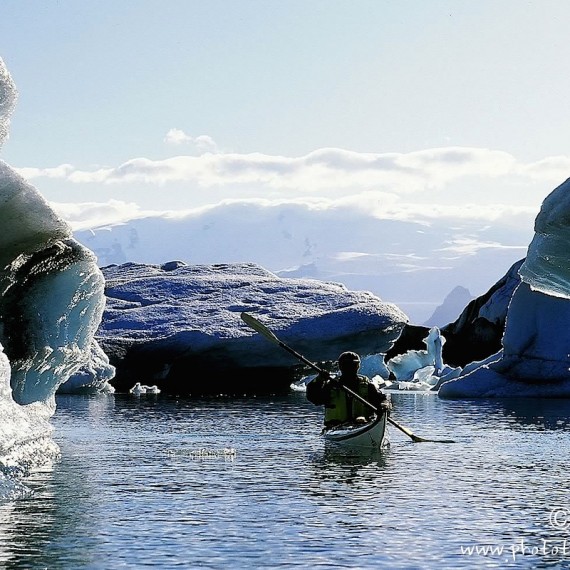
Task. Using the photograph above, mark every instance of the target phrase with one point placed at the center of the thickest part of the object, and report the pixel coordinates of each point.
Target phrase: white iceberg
(178, 326)
(422, 369)
(139, 389)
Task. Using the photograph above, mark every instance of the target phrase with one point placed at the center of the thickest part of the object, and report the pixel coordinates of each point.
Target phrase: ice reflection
(37, 531)
(40, 529)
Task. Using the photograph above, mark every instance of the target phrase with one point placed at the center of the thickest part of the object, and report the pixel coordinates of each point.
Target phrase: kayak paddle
(264, 331)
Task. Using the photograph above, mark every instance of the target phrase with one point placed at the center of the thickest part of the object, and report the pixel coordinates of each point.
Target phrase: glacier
(51, 301)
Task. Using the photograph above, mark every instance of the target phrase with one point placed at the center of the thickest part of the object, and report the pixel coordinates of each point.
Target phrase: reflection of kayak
(358, 435)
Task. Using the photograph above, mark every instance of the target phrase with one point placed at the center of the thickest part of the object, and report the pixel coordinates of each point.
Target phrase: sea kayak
(370, 435)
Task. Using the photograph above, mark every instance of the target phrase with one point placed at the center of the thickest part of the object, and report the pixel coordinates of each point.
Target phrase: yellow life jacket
(343, 407)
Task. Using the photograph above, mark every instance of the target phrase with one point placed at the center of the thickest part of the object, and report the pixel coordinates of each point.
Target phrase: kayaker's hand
(334, 382)
(323, 377)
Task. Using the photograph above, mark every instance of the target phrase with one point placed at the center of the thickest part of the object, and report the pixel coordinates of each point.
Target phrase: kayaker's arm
(318, 389)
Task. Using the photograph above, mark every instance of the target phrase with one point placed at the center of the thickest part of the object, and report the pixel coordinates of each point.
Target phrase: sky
(440, 109)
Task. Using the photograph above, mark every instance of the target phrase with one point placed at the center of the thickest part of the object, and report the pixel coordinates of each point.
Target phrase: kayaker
(340, 406)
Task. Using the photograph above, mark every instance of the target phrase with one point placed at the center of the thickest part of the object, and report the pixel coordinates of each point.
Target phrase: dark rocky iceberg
(476, 333)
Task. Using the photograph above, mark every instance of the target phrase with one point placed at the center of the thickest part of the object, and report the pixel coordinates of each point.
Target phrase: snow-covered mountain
(412, 263)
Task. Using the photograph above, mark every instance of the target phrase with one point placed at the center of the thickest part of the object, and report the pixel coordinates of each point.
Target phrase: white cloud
(177, 136)
(85, 215)
(206, 143)
(471, 246)
(61, 171)
(203, 143)
(555, 169)
(326, 171)
(446, 186)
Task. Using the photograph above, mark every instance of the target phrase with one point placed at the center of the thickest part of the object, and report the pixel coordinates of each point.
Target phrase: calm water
(132, 489)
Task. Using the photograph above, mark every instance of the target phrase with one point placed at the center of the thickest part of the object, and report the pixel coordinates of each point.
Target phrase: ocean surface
(154, 481)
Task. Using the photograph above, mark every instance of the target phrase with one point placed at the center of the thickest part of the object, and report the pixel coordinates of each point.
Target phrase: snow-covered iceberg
(51, 302)
(178, 326)
(535, 359)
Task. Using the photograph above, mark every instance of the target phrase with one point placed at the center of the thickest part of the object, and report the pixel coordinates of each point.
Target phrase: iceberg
(478, 331)
(534, 360)
(178, 326)
(404, 366)
(547, 265)
(422, 369)
(51, 302)
(93, 377)
(139, 389)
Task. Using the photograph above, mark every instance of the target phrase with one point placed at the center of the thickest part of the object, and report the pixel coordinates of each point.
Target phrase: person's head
(349, 362)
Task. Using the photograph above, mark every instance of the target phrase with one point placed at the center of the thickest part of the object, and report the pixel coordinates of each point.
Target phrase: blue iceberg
(534, 360)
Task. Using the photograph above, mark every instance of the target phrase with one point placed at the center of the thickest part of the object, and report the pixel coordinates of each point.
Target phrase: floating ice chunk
(373, 365)
(51, 288)
(424, 375)
(51, 302)
(404, 366)
(448, 373)
(380, 382)
(138, 389)
(299, 386)
(535, 360)
(423, 369)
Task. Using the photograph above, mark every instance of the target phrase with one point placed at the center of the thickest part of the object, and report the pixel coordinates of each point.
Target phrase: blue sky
(178, 104)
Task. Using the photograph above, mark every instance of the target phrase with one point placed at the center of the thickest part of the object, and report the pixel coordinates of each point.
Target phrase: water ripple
(150, 482)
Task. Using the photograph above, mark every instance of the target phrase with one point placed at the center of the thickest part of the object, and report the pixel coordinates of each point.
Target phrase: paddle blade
(257, 326)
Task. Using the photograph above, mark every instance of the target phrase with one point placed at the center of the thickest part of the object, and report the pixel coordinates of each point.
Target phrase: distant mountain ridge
(458, 298)
(409, 263)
